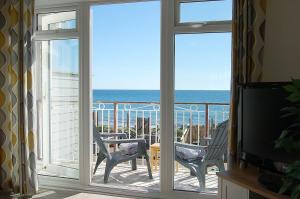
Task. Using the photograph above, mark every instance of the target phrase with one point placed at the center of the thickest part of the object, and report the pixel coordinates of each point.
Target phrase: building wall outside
(64, 102)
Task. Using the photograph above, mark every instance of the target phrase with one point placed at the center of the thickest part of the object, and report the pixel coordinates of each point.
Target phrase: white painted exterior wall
(64, 117)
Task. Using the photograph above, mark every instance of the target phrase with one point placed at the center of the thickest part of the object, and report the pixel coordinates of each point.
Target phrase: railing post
(116, 117)
(95, 118)
(128, 124)
(206, 120)
(115, 121)
(191, 127)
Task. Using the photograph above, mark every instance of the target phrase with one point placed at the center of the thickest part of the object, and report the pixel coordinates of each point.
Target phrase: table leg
(156, 156)
(151, 158)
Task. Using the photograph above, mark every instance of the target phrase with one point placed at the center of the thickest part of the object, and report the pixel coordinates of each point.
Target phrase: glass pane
(58, 101)
(126, 95)
(218, 10)
(56, 21)
(202, 83)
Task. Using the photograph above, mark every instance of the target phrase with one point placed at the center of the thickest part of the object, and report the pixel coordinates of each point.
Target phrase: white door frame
(169, 27)
(85, 135)
(167, 71)
(47, 35)
(166, 87)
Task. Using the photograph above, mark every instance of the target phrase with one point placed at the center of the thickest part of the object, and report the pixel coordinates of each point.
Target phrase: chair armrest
(107, 135)
(190, 146)
(124, 141)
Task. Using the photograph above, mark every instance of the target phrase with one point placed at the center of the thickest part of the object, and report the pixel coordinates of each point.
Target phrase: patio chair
(204, 156)
(114, 158)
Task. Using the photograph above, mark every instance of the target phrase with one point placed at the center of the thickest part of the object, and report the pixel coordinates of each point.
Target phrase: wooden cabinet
(243, 184)
(229, 190)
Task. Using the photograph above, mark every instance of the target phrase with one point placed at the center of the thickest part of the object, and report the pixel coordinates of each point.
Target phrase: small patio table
(154, 156)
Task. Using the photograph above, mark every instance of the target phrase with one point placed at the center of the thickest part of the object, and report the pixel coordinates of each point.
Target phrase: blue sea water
(199, 96)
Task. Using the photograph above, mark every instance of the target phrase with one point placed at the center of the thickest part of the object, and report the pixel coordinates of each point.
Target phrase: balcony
(193, 123)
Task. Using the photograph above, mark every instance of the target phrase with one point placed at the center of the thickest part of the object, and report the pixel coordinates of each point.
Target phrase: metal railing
(192, 121)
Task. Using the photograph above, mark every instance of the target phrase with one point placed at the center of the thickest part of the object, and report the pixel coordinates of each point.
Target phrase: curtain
(249, 19)
(17, 104)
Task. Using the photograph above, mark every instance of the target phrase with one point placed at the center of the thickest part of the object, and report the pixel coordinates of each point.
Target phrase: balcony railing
(193, 122)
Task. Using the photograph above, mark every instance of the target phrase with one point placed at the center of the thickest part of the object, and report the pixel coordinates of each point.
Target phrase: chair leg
(220, 165)
(201, 177)
(100, 158)
(108, 167)
(133, 164)
(148, 166)
(192, 173)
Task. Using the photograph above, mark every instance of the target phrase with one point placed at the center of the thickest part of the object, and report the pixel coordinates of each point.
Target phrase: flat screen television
(262, 123)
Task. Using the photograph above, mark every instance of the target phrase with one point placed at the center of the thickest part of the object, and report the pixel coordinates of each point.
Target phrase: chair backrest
(97, 138)
(218, 144)
(191, 135)
(184, 136)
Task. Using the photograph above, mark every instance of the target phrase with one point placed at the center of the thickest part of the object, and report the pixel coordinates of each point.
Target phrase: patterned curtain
(17, 104)
(249, 18)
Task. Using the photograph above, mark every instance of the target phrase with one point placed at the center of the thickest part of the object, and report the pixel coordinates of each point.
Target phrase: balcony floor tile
(123, 177)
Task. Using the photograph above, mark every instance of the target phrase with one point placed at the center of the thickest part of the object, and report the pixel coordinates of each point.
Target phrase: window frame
(60, 34)
(201, 26)
(57, 33)
(170, 26)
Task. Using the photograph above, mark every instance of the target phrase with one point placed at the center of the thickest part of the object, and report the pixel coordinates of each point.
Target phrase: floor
(123, 176)
(67, 194)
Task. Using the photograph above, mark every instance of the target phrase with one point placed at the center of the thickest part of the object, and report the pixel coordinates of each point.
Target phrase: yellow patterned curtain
(17, 104)
(249, 19)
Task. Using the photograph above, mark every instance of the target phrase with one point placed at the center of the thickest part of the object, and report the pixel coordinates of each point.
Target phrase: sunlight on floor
(123, 177)
(44, 194)
(93, 196)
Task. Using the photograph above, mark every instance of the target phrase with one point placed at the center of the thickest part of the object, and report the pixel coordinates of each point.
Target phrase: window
(57, 21)
(126, 86)
(57, 61)
(205, 11)
(202, 89)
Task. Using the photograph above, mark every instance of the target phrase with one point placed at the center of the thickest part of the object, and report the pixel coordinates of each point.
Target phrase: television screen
(262, 122)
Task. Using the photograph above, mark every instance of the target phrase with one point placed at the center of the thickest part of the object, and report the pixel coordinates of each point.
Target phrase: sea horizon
(158, 89)
(138, 95)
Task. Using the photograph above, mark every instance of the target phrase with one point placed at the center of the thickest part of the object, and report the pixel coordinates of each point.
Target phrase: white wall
(64, 117)
(282, 50)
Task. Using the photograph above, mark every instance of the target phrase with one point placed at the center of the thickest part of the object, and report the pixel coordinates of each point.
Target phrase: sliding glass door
(202, 57)
(202, 92)
(59, 107)
(126, 93)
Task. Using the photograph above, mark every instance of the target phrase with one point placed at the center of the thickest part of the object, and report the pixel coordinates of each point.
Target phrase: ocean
(198, 96)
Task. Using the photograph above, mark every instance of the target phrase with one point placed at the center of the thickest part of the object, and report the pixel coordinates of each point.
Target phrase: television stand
(244, 184)
(271, 182)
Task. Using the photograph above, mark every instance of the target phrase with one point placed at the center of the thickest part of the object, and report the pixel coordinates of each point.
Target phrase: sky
(126, 47)
(63, 53)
